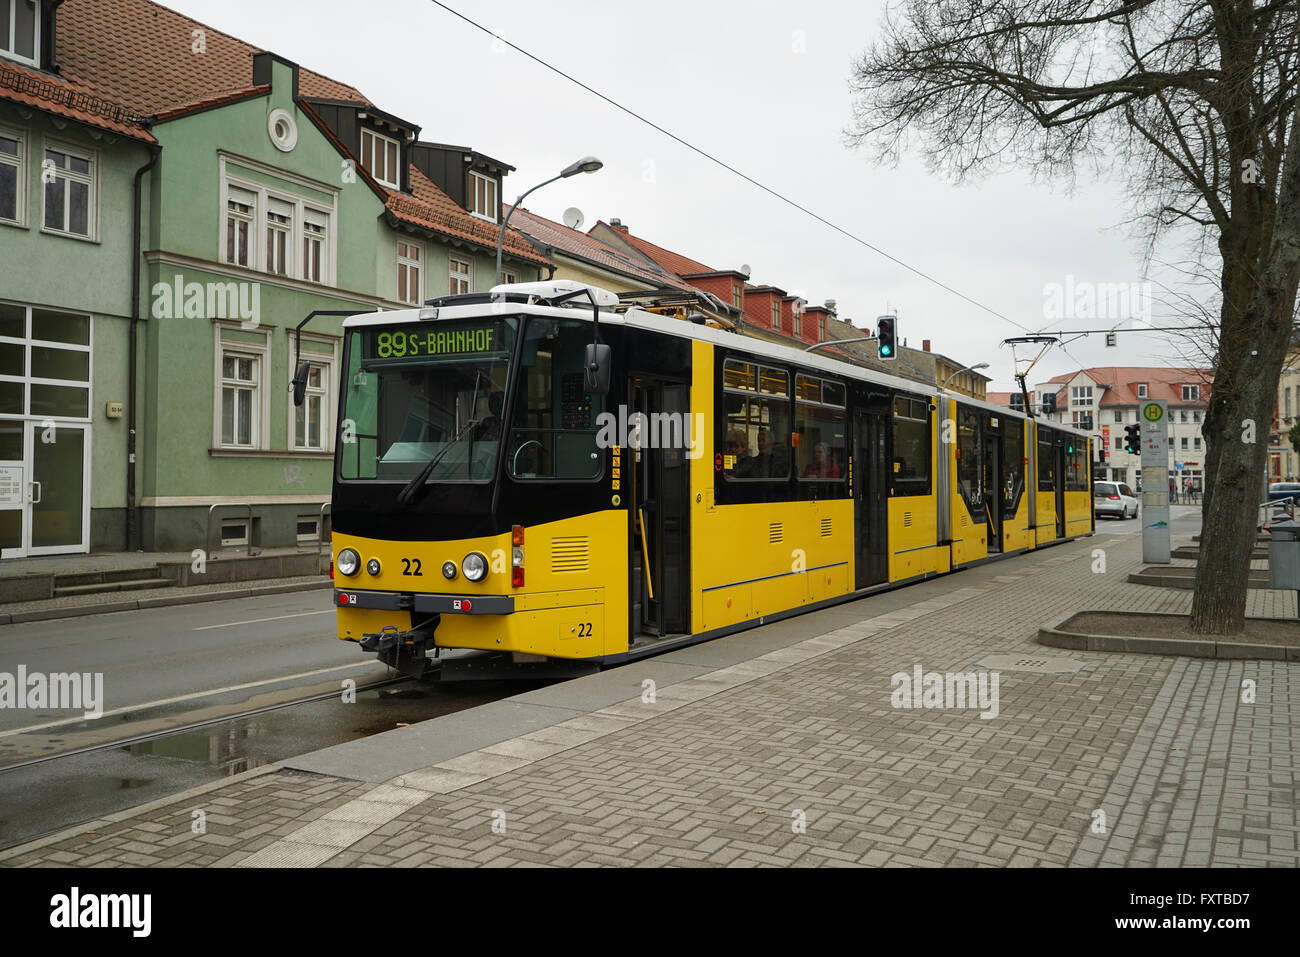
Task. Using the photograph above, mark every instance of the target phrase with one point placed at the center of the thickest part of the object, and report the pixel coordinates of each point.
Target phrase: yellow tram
(538, 473)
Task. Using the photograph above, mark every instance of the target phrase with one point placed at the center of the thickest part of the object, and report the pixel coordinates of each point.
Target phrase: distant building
(1103, 400)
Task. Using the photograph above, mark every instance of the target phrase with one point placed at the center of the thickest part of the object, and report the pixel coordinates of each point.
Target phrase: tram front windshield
(416, 393)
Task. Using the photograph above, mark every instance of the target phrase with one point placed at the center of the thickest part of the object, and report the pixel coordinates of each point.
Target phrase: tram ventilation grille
(826, 528)
(907, 519)
(964, 523)
(775, 532)
(570, 554)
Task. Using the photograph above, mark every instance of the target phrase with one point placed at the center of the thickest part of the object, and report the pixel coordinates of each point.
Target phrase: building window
(1171, 441)
(1182, 416)
(776, 315)
(20, 29)
(461, 276)
(1081, 395)
(241, 208)
(1287, 391)
(379, 155)
(483, 197)
(1119, 415)
(13, 176)
(409, 256)
(1196, 443)
(737, 297)
(263, 227)
(1196, 416)
(308, 419)
(239, 395)
(821, 328)
(1119, 443)
(315, 227)
(508, 278)
(308, 528)
(1142, 390)
(1082, 420)
(1191, 393)
(69, 192)
(279, 225)
(1183, 443)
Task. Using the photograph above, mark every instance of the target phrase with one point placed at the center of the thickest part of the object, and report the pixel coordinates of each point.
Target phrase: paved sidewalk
(781, 746)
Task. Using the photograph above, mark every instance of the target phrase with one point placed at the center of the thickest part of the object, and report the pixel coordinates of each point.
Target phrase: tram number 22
(584, 629)
(411, 566)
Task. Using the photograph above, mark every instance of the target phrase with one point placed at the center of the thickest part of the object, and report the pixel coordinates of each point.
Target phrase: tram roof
(482, 305)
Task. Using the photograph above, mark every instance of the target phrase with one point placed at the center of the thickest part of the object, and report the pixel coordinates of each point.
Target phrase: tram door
(661, 477)
(992, 498)
(871, 532)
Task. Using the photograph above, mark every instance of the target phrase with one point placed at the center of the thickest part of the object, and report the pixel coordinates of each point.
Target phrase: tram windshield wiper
(409, 494)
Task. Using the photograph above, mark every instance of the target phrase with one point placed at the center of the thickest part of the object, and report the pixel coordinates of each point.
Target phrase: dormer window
(483, 197)
(379, 155)
(1191, 393)
(20, 30)
(1142, 390)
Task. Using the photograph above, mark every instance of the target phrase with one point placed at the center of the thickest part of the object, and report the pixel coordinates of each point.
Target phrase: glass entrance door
(57, 504)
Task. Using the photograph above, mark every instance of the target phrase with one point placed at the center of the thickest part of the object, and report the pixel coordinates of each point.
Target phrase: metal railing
(1275, 508)
(322, 539)
(207, 537)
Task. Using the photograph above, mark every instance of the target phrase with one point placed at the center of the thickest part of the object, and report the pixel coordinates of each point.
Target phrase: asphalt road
(1183, 520)
(154, 657)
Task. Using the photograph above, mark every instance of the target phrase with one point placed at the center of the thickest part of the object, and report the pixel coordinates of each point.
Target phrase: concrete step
(105, 576)
(134, 584)
(1194, 551)
(1181, 576)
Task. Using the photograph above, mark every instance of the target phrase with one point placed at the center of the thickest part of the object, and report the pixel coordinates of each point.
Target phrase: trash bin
(1284, 554)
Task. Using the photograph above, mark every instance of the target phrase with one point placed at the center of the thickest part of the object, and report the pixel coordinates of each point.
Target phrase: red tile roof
(431, 208)
(580, 244)
(50, 94)
(1162, 382)
(665, 258)
(141, 54)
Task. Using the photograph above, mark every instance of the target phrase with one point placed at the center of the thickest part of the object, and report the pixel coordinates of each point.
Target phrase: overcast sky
(761, 85)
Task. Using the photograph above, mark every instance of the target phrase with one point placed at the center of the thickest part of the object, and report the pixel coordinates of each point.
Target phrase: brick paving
(799, 757)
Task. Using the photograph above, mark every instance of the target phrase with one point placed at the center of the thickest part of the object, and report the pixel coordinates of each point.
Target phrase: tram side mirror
(596, 364)
(300, 383)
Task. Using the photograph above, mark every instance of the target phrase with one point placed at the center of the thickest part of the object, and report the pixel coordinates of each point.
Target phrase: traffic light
(886, 337)
(1133, 439)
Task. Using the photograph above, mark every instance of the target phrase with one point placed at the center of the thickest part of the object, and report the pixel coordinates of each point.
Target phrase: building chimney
(618, 224)
(925, 345)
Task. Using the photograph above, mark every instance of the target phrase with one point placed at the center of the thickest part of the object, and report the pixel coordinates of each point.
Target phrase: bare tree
(1194, 102)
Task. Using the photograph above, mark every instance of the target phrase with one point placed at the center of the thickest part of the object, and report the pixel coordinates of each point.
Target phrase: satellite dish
(573, 217)
(745, 270)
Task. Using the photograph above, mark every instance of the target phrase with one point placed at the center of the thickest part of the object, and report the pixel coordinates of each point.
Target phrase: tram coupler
(404, 651)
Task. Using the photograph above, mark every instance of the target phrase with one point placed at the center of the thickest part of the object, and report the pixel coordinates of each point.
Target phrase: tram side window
(1046, 462)
(757, 422)
(1013, 465)
(970, 460)
(911, 458)
(821, 453)
(1076, 466)
(359, 453)
(553, 435)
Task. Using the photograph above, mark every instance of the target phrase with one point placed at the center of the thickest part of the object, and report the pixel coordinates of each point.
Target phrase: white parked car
(1114, 498)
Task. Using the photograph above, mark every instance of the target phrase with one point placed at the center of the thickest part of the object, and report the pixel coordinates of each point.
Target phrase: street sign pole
(1153, 416)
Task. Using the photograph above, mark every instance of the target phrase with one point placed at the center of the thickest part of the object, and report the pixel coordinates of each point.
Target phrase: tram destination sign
(422, 343)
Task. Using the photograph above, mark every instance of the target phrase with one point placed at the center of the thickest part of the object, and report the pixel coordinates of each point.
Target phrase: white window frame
(494, 205)
(508, 277)
(1081, 395)
(7, 46)
(91, 180)
(314, 536)
(249, 219)
(258, 229)
(418, 263)
(320, 237)
(454, 275)
(1191, 393)
(261, 406)
(20, 165)
(1142, 390)
(776, 315)
(329, 362)
(275, 228)
(379, 139)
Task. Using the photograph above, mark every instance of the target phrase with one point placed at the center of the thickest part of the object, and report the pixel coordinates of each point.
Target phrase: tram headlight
(348, 561)
(475, 566)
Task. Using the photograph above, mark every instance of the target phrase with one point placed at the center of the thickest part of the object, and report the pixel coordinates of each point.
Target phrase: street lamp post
(588, 164)
(978, 365)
